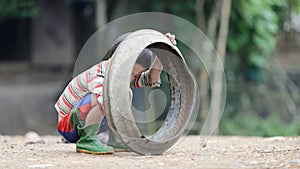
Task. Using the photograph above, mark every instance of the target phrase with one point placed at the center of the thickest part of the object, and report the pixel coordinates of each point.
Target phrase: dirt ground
(33, 151)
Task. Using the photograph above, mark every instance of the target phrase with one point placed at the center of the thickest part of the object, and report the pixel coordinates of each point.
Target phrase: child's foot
(78, 150)
(89, 143)
(116, 143)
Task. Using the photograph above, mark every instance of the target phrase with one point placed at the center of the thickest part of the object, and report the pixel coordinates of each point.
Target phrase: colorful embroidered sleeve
(144, 80)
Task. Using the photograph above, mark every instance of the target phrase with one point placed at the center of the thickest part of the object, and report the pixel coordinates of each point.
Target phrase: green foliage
(184, 9)
(17, 9)
(253, 28)
(295, 5)
(252, 34)
(252, 125)
(255, 103)
(10, 9)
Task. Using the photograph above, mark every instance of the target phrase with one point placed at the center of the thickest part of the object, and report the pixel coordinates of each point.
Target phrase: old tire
(183, 93)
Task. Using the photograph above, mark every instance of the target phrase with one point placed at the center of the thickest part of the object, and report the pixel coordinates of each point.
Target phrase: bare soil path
(219, 152)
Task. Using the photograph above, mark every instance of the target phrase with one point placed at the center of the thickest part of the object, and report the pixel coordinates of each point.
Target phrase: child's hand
(172, 38)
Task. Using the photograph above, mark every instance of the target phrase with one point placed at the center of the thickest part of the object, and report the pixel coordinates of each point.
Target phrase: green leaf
(268, 14)
(17, 8)
(258, 60)
(264, 43)
(297, 8)
(237, 42)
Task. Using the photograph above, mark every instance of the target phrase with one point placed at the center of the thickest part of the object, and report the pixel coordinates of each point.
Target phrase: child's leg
(94, 116)
(67, 129)
(83, 123)
(67, 126)
(103, 125)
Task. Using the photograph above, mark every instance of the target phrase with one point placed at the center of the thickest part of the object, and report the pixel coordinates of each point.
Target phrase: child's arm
(151, 77)
(157, 66)
(155, 70)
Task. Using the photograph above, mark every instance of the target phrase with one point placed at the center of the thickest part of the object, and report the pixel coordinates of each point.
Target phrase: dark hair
(117, 43)
(145, 58)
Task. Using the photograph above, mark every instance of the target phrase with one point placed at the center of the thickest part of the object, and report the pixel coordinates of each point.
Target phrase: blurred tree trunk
(210, 28)
(100, 20)
(221, 49)
(100, 13)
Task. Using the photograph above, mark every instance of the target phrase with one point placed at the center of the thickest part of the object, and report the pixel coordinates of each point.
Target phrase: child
(80, 107)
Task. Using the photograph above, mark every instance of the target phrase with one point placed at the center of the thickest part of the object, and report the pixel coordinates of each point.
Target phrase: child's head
(117, 43)
(143, 61)
(145, 58)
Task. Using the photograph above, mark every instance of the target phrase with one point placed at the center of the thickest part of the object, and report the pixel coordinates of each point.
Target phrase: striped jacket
(91, 81)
